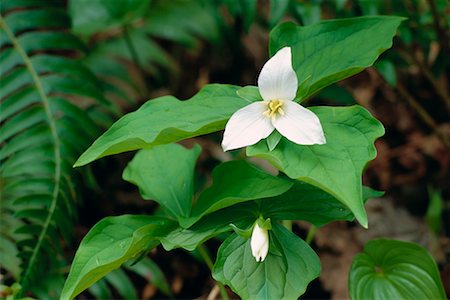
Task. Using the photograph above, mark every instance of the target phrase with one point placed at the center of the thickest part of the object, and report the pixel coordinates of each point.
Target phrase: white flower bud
(259, 243)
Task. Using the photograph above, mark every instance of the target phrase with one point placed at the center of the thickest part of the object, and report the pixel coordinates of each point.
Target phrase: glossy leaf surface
(235, 182)
(389, 269)
(109, 244)
(284, 274)
(166, 120)
(165, 174)
(337, 166)
(329, 51)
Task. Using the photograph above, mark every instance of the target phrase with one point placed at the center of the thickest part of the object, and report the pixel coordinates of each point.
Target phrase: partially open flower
(277, 85)
(259, 243)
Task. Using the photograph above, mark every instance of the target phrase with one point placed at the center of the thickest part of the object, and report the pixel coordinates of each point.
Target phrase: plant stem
(287, 224)
(136, 60)
(311, 234)
(412, 59)
(207, 258)
(423, 114)
(440, 30)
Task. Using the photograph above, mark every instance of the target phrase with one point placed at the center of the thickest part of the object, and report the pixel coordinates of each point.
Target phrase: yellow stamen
(274, 108)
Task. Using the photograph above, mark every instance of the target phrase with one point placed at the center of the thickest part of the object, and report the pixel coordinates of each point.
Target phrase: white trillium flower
(259, 243)
(277, 85)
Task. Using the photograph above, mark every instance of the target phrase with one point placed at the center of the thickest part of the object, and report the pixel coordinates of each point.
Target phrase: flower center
(274, 108)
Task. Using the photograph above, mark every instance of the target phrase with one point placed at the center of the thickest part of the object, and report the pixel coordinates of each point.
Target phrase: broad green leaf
(166, 119)
(337, 166)
(110, 243)
(234, 182)
(334, 50)
(284, 274)
(301, 202)
(309, 203)
(241, 215)
(389, 269)
(250, 93)
(165, 173)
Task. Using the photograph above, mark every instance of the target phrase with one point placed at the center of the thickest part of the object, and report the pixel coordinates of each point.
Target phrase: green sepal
(264, 223)
(245, 233)
(273, 139)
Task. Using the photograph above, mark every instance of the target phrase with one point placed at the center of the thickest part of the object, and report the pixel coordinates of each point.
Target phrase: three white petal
(277, 85)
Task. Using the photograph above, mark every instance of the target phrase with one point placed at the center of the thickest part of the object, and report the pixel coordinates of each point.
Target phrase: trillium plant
(320, 153)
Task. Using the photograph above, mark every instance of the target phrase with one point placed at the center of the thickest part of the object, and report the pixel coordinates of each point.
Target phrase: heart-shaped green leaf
(166, 120)
(284, 274)
(109, 244)
(333, 50)
(165, 173)
(337, 166)
(389, 269)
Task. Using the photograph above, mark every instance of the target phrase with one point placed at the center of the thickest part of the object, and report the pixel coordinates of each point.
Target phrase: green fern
(42, 134)
(125, 49)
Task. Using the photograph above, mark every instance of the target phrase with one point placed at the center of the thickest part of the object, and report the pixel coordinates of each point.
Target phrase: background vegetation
(70, 68)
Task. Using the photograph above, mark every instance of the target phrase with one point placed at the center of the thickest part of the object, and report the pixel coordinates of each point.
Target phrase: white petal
(277, 79)
(259, 243)
(299, 125)
(246, 127)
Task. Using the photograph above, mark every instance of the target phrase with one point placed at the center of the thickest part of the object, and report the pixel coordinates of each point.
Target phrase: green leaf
(389, 269)
(435, 210)
(249, 93)
(242, 215)
(337, 166)
(334, 50)
(171, 120)
(107, 14)
(165, 174)
(149, 270)
(119, 280)
(387, 70)
(301, 202)
(283, 275)
(336, 94)
(41, 76)
(109, 244)
(308, 203)
(235, 182)
(182, 21)
(100, 290)
(248, 12)
(277, 10)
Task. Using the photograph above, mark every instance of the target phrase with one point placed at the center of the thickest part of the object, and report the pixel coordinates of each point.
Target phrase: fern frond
(42, 134)
(124, 53)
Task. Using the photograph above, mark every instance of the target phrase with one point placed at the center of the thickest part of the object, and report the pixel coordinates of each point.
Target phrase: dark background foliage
(70, 68)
